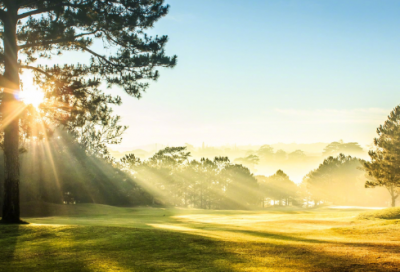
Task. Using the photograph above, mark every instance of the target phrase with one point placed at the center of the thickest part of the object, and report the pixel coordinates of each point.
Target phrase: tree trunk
(11, 109)
(394, 200)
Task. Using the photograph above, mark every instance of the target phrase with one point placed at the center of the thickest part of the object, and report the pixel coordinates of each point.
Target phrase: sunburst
(30, 93)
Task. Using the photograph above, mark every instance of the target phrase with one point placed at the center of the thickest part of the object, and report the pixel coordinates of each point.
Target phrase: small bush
(389, 213)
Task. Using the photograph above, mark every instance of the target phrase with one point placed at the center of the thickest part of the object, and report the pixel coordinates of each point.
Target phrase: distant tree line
(266, 155)
(172, 179)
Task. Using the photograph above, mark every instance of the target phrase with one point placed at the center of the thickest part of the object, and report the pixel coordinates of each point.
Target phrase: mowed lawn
(103, 238)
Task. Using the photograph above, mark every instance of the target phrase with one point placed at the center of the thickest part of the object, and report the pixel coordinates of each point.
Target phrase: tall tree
(336, 180)
(384, 167)
(40, 29)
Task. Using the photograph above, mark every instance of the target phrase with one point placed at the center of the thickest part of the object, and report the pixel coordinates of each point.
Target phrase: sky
(263, 72)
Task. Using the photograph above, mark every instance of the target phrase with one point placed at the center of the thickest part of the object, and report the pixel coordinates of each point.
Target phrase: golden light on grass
(107, 237)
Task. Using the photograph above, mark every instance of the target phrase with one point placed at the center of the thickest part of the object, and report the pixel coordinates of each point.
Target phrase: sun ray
(14, 114)
(50, 154)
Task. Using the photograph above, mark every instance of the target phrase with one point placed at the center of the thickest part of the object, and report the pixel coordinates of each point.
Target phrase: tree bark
(10, 118)
(394, 200)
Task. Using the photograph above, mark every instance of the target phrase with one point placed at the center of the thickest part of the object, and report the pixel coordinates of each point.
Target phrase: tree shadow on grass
(95, 248)
(310, 254)
(73, 248)
(378, 246)
(247, 255)
(8, 241)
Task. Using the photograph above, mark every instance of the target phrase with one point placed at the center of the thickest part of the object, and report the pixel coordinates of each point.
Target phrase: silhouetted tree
(39, 29)
(335, 148)
(384, 167)
(250, 161)
(266, 153)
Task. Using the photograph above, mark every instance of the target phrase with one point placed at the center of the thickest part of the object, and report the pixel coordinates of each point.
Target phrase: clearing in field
(103, 238)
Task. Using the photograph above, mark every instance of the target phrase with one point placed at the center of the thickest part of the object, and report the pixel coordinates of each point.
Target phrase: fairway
(103, 238)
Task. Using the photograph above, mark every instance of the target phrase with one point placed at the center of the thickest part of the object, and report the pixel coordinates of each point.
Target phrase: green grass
(390, 213)
(103, 238)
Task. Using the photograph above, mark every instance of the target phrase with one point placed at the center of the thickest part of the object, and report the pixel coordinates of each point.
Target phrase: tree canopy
(175, 180)
(384, 167)
(278, 187)
(336, 180)
(335, 148)
(39, 30)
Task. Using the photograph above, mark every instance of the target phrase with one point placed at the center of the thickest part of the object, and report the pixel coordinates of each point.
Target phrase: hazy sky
(259, 71)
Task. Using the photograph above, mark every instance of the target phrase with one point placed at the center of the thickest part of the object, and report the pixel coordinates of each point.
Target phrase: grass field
(103, 238)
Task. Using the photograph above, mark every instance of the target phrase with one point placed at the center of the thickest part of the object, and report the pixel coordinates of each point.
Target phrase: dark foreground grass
(195, 240)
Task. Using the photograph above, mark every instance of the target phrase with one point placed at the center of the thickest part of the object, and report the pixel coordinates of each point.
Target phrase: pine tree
(384, 167)
(40, 29)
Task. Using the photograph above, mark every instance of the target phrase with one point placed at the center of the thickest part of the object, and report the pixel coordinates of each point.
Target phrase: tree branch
(33, 12)
(56, 41)
(35, 69)
(98, 55)
(42, 10)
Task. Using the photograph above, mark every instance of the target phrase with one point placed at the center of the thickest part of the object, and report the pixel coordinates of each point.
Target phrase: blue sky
(262, 72)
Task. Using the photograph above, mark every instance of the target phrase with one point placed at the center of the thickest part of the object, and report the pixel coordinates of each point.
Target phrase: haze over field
(314, 154)
(175, 135)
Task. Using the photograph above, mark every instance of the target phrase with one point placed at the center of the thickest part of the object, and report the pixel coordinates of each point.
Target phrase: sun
(32, 96)
(30, 93)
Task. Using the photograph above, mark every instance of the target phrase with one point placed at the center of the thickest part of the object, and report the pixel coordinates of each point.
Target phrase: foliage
(278, 187)
(266, 152)
(335, 148)
(250, 161)
(37, 30)
(240, 186)
(73, 97)
(384, 167)
(337, 180)
(172, 179)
